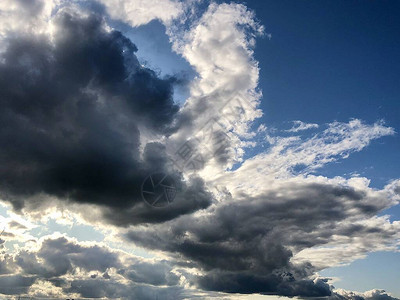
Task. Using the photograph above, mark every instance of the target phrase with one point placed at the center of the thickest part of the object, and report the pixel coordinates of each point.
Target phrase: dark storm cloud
(242, 246)
(277, 284)
(71, 109)
(193, 196)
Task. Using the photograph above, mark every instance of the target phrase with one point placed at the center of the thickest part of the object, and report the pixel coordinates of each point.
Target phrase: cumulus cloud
(139, 12)
(62, 266)
(83, 123)
(73, 105)
(24, 17)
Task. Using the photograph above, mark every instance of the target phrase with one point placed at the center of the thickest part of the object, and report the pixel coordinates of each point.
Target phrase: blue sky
(337, 60)
(333, 65)
(325, 61)
(334, 60)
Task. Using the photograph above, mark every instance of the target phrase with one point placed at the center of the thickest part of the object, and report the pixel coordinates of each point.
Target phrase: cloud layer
(83, 123)
(59, 266)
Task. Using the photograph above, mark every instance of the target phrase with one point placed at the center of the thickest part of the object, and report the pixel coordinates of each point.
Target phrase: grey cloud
(245, 245)
(15, 224)
(15, 284)
(98, 288)
(6, 264)
(32, 8)
(106, 275)
(248, 283)
(154, 274)
(58, 259)
(70, 118)
(191, 196)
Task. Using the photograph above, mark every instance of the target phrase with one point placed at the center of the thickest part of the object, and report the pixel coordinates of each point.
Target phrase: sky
(165, 149)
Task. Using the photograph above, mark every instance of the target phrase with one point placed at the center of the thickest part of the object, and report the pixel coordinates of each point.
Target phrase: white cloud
(25, 16)
(375, 234)
(140, 12)
(219, 47)
(368, 295)
(300, 126)
(57, 264)
(338, 141)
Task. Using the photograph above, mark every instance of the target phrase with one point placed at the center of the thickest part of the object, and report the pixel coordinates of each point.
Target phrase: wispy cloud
(300, 126)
